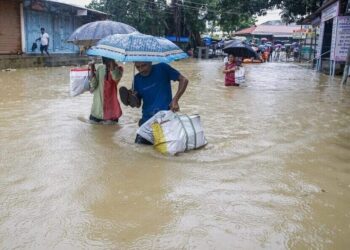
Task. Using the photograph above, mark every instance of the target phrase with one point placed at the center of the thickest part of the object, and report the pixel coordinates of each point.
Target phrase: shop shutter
(10, 28)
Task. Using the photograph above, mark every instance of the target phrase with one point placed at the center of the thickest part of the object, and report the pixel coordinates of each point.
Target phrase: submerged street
(275, 173)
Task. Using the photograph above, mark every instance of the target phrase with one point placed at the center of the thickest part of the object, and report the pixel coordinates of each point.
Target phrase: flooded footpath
(274, 175)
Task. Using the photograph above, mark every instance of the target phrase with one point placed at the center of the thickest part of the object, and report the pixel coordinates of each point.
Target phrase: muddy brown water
(275, 174)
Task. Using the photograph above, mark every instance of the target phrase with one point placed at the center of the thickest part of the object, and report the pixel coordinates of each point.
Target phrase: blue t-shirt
(155, 89)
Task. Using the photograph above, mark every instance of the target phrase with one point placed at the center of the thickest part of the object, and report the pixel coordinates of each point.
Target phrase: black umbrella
(240, 49)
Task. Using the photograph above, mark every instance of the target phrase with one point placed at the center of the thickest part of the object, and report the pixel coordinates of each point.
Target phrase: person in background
(44, 41)
(296, 50)
(271, 50)
(103, 84)
(229, 71)
(152, 85)
(265, 55)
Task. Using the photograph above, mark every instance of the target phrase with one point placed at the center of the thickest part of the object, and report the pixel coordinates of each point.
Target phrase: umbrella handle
(133, 78)
(92, 69)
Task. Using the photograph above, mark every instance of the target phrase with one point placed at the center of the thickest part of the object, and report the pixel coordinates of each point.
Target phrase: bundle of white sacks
(172, 133)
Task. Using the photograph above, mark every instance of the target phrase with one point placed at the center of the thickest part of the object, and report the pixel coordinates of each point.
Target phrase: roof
(315, 15)
(275, 30)
(78, 7)
(246, 31)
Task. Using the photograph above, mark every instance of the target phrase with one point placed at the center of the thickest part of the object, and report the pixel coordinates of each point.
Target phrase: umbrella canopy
(89, 34)
(262, 48)
(240, 50)
(264, 39)
(137, 47)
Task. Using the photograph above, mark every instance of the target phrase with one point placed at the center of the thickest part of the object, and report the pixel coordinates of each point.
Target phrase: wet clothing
(230, 76)
(155, 89)
(105, 104)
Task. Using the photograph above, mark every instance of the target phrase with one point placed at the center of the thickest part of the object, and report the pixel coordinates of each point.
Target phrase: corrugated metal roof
(78, 7)
(275, 30)
(246, 31)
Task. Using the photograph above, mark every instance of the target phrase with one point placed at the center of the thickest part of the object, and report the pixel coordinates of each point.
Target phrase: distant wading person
(44, 41)
(229, 71)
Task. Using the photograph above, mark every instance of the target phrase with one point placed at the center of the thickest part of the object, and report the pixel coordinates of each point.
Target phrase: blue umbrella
(89, 34)
(137, 47)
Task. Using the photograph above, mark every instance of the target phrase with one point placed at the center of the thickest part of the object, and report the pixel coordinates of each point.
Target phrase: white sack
(171, 133)
(145, 130)
(240, 75)
(180, 134)
(79, 81)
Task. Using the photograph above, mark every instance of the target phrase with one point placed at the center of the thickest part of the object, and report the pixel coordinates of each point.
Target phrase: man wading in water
(153, 88)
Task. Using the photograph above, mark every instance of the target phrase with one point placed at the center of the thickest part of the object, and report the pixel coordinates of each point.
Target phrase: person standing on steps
(44, 42)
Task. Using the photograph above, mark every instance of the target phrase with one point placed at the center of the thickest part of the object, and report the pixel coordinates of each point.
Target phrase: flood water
(274, 175)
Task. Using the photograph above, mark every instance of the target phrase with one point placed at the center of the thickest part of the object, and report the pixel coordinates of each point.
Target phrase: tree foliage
(189, 17)
(147, 16)
(294, 10)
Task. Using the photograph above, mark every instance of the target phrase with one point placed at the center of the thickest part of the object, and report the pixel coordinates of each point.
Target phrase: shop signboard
(330, 12)
(342, 43)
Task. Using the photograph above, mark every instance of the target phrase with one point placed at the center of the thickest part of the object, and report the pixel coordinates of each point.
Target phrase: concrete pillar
(199, 52)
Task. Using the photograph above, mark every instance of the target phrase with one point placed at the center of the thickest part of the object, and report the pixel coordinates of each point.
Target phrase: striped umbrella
(137, 47)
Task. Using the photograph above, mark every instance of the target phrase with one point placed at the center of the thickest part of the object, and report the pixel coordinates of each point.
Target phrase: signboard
(343, 39)
(330, 12)
(38, 5)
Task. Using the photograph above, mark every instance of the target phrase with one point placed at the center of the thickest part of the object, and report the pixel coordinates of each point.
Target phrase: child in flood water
(229, 71)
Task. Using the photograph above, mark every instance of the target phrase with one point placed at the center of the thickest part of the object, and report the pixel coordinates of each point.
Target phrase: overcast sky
(271, 15)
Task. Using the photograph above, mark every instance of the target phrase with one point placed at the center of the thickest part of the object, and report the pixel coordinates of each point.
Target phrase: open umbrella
(137, 47)
(240, 49)
(89, 34)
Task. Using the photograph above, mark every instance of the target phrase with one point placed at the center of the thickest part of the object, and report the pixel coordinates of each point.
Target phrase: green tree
(147, 16)
(294, 10)
(238, 14)
(189, 17)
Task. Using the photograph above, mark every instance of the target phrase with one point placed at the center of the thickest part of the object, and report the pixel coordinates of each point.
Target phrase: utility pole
(177, 19)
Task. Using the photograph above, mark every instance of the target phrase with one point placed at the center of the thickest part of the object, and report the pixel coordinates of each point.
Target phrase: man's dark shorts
(43, 48)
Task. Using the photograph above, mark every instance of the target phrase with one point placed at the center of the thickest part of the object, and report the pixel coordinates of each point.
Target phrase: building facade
(332, 20)
(21, 21)
(10, 27)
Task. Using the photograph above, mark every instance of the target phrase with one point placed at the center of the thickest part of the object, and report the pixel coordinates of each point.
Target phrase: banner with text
(343, 39)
